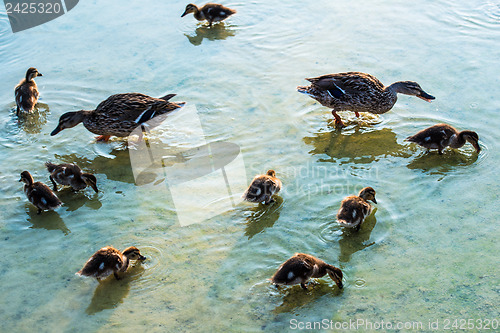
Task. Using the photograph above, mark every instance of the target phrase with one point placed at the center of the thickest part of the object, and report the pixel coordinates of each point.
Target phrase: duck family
(120, 114)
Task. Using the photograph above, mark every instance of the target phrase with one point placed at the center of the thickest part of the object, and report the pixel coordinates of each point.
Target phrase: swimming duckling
(442, 135)
(354, 209)
(211, 12)
(301, 267)
(110, 260)
(119, 114)
(359, 92)
(39, 194)
(72, 175)
(27, 92)
(262, 188)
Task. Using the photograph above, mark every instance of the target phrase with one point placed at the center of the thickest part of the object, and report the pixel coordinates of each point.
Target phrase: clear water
(429, 252)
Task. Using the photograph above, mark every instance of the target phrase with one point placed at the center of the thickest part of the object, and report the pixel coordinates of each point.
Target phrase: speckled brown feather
(69, 175)
(262, 188)
(441, 136)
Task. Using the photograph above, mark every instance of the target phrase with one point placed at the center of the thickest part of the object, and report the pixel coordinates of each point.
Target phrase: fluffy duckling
(211, 12)
(110, 260)
(72, 175)
(119, 114)
(359, 92)
(442, 135)
(354, 209)
(262, 188)
(27, 92)
(301, 267)
(39, 194)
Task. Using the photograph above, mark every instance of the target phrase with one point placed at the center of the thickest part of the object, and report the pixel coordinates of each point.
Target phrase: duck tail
(303, 90)
(167, 97)
(50, 166)
(253, 194)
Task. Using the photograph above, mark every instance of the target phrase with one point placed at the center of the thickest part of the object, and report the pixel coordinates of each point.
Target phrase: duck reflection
(434, 163)
(263, 216)
(33, 122)
(356, 145)
(49, 220)
(352, 241)
(296, 297)
(115, 167)
(111, 292)
(216, 32)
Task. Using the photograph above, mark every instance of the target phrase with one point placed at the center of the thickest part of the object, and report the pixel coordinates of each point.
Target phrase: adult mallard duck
(27, 92)
(211, 12)
(442, 135)
(39, 194)
(110, 260)
(301, 267)
(118, 115)
(358, 92)
(262, 188)
(354, 209)
(72, 175)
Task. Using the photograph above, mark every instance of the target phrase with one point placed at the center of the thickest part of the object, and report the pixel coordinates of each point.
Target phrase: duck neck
(391, 93)
(198, 14)
(457, 140)
(126, 262)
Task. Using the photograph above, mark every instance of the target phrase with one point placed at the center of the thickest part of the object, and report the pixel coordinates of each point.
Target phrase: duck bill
(425, 96)
(185, 13)
(374, 200)
(94, 187)
(476, 146)
(39, 74)
(142, 258)
(57, 130)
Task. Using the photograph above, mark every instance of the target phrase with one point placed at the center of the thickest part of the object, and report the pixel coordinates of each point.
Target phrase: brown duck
(359, 92)
(71, 175)
(354, 209)
(301, 267)
(211, 12)
(110, 260)
(119, 114)
(39, 194)
(262, 188)
(441, 136)
(27, 92)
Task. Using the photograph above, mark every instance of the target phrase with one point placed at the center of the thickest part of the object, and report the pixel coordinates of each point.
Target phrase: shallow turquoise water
(429, 252)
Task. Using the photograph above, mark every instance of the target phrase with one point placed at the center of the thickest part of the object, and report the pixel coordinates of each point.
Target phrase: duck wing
(350, 83)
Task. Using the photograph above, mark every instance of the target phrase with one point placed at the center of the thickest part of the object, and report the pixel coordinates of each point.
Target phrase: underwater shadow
(433, 163)
(357, 144)
(296, 297)
(111, 292)
(48, 220)
(352, 241)
(218, 31)
(263, 216)
(75, 200)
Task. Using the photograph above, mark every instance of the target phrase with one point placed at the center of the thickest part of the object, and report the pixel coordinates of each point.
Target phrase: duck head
(133, 253)
(411, 88)
(191, 8)
(271, 173)
(31, 73)
(368, 193)
(336, 275)
(26, 178)
(90, 180)
(473, 138)
(68, 120)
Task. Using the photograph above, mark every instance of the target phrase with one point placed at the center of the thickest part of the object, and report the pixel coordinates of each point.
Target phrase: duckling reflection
(32, 122)
(217, 32)
(352, 241)
(75, 200)
(262, 217)
(48, 221)
(110, 292)
(356, 145)
(442, 164)
(116, 165)
(296, 298)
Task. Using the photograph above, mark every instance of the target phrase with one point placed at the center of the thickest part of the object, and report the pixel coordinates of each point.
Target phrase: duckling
(354, 209)
(39, 194)
(119, 114)
(301, 267)
(262, 188)
(211, 12)
(442, 135)
(72, 175)
(27, 92)
(359, 92)
(110, 260)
